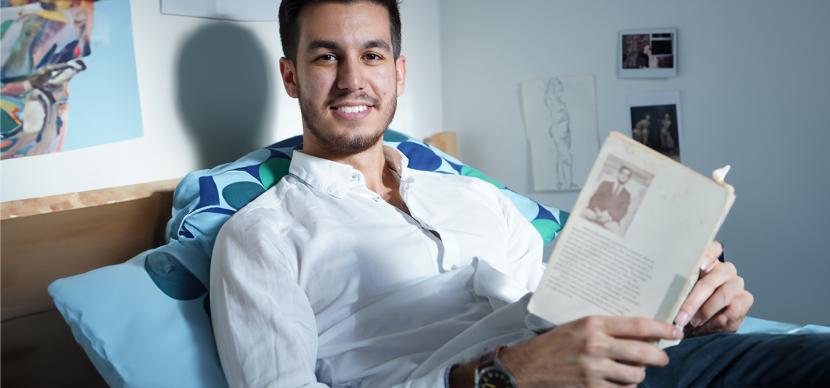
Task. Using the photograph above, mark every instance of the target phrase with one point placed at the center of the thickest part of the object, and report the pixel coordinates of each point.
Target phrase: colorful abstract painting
(68, 76)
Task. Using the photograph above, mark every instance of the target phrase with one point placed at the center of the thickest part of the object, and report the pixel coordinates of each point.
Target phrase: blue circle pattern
(420, 157)
(173, 278)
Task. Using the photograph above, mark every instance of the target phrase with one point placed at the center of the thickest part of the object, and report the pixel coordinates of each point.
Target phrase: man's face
(345, 76)
(624, 176)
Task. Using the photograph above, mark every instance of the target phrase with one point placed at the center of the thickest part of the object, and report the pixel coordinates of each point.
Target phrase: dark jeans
(746, 360)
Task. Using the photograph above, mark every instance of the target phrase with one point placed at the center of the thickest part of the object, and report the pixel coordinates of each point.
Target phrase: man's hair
(289, 14)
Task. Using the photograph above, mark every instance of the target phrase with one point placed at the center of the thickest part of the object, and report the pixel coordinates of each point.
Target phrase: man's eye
(327, 58)
(372, 57)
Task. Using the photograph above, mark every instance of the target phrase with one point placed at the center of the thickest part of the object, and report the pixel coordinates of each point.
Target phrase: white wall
(174, 53)
(755, 93)
(166, 150)
(420, 109)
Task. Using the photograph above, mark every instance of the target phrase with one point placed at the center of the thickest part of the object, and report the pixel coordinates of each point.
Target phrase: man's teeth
(352, 109)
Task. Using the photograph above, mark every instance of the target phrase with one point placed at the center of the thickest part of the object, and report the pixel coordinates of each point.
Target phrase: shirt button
(376, 199)
(355, 176)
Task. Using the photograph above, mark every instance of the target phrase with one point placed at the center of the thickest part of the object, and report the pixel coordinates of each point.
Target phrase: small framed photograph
(655, 121)
(647, 53)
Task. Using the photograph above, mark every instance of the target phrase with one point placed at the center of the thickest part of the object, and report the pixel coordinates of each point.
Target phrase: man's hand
(718, 302)
(595, 351)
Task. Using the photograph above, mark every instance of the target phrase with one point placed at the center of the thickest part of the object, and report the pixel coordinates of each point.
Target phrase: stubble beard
(350, 144)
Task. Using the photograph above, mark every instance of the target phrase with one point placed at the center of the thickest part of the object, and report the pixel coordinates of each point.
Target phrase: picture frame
(647, 53)
(67, 59)
(655, 120)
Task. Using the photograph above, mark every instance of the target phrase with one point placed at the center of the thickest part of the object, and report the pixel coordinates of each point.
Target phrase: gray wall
(755, 93)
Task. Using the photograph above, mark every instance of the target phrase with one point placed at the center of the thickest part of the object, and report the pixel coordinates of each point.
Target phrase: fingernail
(677, 333)
(696, 321)
(682, 318)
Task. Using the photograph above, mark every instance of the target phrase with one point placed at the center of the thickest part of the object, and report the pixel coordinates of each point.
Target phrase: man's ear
(289, 77)
(400, 73)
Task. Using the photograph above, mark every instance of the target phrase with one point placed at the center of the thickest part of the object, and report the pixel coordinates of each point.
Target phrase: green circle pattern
(239, 194)
(272, 171)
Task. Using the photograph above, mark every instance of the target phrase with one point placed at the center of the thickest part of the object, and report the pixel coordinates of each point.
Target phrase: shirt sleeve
(263, 323)
(434, 379)
(524, 245)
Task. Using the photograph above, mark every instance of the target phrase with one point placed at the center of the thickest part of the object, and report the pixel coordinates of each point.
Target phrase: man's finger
(622, 374)
(710, 255)
(640, 328)
(704, 288)
(731, 317)
(715, 248)
(722, 297)
(637, 353)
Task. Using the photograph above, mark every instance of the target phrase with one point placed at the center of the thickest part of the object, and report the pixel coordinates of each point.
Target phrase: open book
(633, 243)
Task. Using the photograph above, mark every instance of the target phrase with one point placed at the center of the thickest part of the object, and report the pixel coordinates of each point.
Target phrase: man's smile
(352, 111)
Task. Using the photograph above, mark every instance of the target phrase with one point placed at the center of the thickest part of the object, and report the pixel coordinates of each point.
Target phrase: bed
(48, 238)
(126, 275)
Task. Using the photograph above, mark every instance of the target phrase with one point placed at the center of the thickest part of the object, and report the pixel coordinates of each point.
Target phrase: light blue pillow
(146, 322)
(758, 325)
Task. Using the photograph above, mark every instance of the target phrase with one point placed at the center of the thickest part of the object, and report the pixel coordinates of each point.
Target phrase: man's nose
(350, 75)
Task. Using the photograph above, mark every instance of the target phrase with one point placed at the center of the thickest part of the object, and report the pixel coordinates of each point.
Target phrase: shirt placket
(447, 245)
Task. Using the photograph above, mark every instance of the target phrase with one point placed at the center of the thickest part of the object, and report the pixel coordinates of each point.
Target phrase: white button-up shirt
(319, 281)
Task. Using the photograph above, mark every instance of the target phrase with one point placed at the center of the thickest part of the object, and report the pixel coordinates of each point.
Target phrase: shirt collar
(336, 178)
(397, 161)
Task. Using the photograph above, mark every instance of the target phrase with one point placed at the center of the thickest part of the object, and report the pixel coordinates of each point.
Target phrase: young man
(610, 201)
(357, 271)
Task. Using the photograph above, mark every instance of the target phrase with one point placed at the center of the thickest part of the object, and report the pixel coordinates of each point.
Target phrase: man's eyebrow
(322, 44)
(377, 43)
(332, 45)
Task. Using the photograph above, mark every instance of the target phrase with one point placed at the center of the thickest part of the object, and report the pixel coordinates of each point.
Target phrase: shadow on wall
(224, 92)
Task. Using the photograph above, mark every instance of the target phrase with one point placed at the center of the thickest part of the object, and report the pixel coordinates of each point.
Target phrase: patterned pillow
(146, 322)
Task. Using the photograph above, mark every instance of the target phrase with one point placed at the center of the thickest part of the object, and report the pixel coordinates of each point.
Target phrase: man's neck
(370, 162)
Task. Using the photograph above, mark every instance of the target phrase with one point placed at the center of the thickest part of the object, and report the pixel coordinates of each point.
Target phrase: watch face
(494, 378)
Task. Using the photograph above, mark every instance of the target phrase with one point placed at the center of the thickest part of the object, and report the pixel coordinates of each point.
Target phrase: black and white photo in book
(617, 195)
(647, 53)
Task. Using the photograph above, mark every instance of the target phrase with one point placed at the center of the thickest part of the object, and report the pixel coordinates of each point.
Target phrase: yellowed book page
(632, 244)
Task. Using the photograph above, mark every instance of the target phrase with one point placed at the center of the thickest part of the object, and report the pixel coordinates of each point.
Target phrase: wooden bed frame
(44, 239)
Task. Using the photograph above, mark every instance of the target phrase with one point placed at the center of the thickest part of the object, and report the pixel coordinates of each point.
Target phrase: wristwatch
(490, 372)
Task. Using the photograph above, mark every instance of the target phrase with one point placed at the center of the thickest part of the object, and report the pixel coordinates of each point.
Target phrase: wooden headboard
(48, 238)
